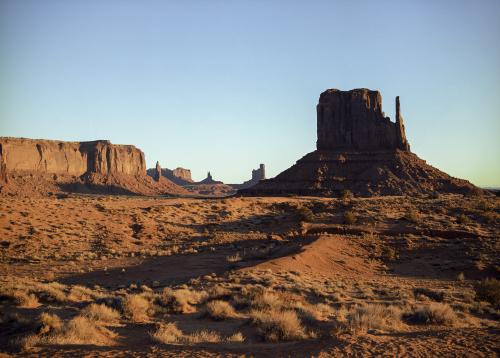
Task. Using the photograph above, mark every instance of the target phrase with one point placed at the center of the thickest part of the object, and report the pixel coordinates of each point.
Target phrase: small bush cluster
(169, 333)
(488, 290)
(278, 325)
(181, 300)
(304, 214)
(349, 218)
(220, 310)
(433, 313)
(373, 316)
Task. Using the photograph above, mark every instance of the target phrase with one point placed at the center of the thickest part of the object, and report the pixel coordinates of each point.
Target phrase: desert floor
(86, 275)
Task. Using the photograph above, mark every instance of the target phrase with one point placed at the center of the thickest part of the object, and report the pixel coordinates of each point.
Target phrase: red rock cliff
(70, 158)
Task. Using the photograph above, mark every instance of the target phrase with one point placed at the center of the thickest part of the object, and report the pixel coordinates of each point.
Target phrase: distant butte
(361, 150)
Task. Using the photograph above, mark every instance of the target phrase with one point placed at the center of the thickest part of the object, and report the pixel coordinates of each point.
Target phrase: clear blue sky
(226, 85)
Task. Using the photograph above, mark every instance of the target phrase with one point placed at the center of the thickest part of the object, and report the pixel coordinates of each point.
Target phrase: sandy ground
(339, 254)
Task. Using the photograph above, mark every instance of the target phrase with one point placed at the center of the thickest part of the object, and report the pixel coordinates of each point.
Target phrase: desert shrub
(412, 215)
(80, 293)
(237, 337)
(311, 314)
(19, 296)
(217, 292)
(52, 292)
(78, 330)
(50, 323)
(181, 300)
(433, 313)
(220, 310)
(488, 290)
(349, 218)
(490, 216)
(234, 258)
(304, 214)
(136, 308)
(373, 316)
(463, 219)
(389, 253)
(278, 325)
(169, 333)
(262, 298)
(203, 336)
(346, 195)
(101, 314)
(434, 295)
(475, 192)
(461, 277)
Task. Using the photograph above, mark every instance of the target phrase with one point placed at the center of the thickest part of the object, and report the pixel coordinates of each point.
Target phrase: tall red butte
(361, 150)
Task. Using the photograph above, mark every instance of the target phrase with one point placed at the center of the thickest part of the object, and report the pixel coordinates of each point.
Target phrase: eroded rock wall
(181, 173)
(354, 120)
(70, 158)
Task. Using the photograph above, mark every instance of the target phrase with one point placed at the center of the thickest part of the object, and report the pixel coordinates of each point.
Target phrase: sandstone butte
(361, 150)
(30, 166)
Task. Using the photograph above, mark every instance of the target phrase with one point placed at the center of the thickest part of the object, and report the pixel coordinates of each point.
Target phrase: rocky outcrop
(183, 174)
(71, 158)
(95, 166)
(354, 120)
(179, 176)
(257, 175)
(360, 150)
(157, 172)
(209, 180)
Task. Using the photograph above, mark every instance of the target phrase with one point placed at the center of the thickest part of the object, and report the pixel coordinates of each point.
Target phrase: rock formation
(257, 175)
(361, 150)
(184, 174)
(353, 120)
(209, 180)
(71, 158)
(157, 172)
(77, 166)
(179, 176)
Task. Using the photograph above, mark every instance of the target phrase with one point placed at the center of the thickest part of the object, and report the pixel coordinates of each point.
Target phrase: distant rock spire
(157, 174)
(400, 128)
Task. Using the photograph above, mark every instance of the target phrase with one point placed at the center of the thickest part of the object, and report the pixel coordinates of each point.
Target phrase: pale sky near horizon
(226, 85)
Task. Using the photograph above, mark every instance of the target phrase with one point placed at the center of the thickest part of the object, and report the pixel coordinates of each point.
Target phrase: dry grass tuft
(137, 308)
(278, 325)
(79, 293)
(373, 316)
(488, 290)
(100, 313)
(19, 294)
(238, 337)
(234, 258)
(169, 333)
(220, 310)
(181, 300)
(79, 330)
(433, 313)
(349, 218)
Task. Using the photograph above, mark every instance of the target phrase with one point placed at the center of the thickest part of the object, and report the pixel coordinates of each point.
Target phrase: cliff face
(32, 166)
(181, 173)
(354, 120)
(70, 158)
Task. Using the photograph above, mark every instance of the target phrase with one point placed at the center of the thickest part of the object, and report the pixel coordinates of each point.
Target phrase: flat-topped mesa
(71, 158)
(184, 174)
(354, 121)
